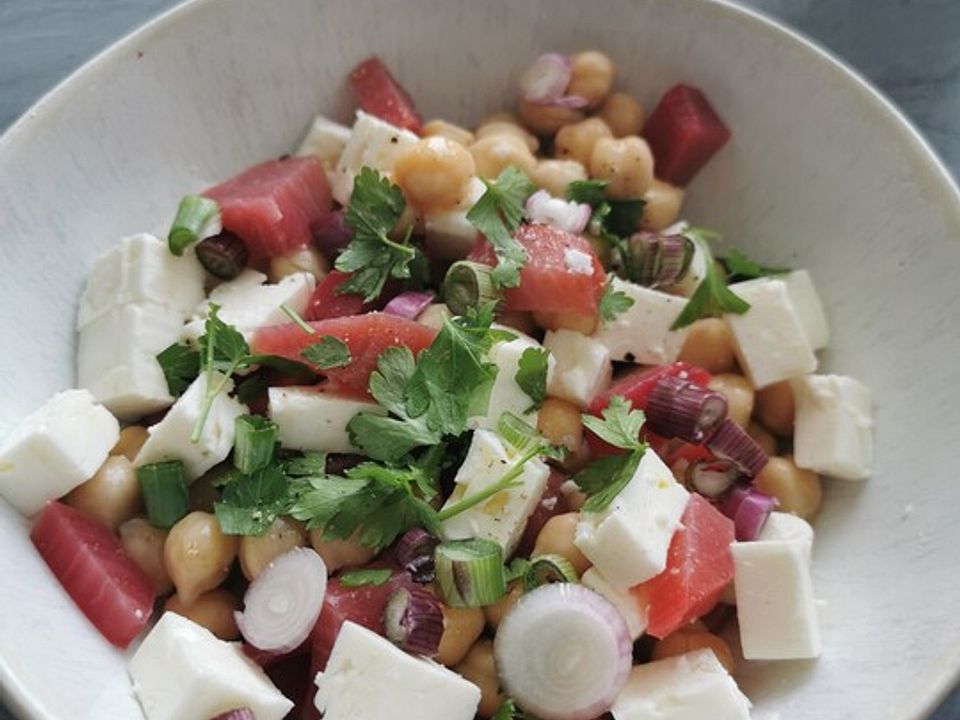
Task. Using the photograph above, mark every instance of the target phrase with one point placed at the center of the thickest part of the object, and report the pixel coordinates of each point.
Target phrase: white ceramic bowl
(822, 173)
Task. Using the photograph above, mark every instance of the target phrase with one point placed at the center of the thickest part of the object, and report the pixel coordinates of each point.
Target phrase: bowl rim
(947, 675)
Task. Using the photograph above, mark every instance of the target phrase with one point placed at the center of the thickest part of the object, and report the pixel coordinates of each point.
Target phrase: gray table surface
(908, 48)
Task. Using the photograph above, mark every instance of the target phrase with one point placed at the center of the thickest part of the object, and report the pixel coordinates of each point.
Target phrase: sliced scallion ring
(197, 217)
(468, 285)
(470, 572)
(545, 569)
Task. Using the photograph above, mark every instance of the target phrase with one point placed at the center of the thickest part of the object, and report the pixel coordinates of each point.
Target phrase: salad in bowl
(437, 423)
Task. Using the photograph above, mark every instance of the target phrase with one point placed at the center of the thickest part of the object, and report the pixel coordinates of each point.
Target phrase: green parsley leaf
(375, 208)
(740, 267)
(367, 576)
(508, 710)
(615, 219)
(180, 365)
(712, 298)
(589, 192)
(604, 478)
(328, 352)
(620, 425)
(532, 375)
(251, 503)
(613, 302)
(497, 215)
(310, 463)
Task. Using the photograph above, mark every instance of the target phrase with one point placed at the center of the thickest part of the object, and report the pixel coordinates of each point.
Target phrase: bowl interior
(821, 173)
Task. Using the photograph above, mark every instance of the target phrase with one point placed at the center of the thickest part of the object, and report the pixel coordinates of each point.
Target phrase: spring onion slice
(469, 285)
(749, 509)
(198, 217)
(545, 569)
(470, 572)
(712, 478)
(678, 408)
(414, 552)
(255, 439)
(224, 255)
(730, 441)
(413, 620)
(164, 486)
(657, 260)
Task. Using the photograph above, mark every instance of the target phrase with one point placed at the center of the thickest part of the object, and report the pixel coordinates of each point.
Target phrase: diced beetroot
(699, 567)
(549, 281)
(380, 95)
(271, 206)
(551, 503)
(365, 335)
(88, 560)
(683, 132)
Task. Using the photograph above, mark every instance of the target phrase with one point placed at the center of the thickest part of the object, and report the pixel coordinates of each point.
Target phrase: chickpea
(690, 639)
(556, 538)
(762, 438)
(131, 440)
(143, 543)
(112, 495)
(709, 344)
(798, 490)
(546, 120)
(434, 315)
(503, 127)
(448, 130)
(502, 116)
(495, 153)
(775, 408)
(213, 610)
(305, 259)
(494, 613)
(461, 628)
(198, 555)
(663, 205)
(434, 172)
(555, 176)
(559, 422)
(256, 552)
(339, 554)
(626, 163)
(592, 76)
(576, 141)
(518, 320)
(739, 394)
(622, 113)
(584, 324)
(480, 668)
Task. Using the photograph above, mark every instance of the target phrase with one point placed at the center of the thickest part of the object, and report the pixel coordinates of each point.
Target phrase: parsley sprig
(712, 297)
(497, 214)
(603, 479)
(531, 375)
(740, 267)
(613, 221)
(613, 302)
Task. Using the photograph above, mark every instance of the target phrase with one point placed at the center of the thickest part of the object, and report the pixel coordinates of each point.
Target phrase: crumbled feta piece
(54, 449)
(370, 678)
(833, 431)
(583, 366)
(504, 516)
(642, 334)
(809, 309)
(776, 609)
(247, 303)
(692, 686)
(310, 419)
(169, 439)
(182, 671)
(578, 262)
(142, 269)
(631, 604)
(448, 235)
(117, 358)
(769, 338)
(326, 140)
(628, 540)
(373, 143)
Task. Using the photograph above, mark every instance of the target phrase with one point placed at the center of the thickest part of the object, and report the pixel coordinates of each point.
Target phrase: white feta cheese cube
(631, 604)
(692, 686)
(504, 516)
(169, 439)
(373, 143)
(326, 140)
(583, 366)
(142, 269)
(642, 334)
(310, 419)
(628, 540)
(833, 431)
(776, 609)
(341, 185)
(448, 234)
(370, 678)
(247, 303)
(54, 449)
(769, 338)
(809, 309)
(182, 671)
(117, 358)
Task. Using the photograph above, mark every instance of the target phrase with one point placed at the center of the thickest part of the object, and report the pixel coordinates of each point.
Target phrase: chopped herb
(619, 426)
(369, 576)
(375, 208)
(740, 267)
(612, 220)
(297, 319)
(497, 214)
(613, 302)
(328, 352)
(310, 463)
(180, 365)
(508, 710)
(251, 503)
(712, 297)
(532, 375)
